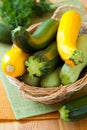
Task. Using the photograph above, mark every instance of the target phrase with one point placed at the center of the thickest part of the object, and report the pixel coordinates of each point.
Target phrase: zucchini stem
(64, 113)
(77, 57)
(34, 66)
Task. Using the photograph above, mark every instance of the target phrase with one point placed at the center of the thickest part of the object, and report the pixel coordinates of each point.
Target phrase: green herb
(21, 12)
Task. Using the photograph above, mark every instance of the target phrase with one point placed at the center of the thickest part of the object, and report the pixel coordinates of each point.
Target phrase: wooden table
(44, 125)
(52, 124)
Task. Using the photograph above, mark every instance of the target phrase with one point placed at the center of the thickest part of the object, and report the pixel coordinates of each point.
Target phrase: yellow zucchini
(67, 34)
(13, 62)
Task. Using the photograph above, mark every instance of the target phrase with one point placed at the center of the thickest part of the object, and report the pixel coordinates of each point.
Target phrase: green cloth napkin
(22, 107)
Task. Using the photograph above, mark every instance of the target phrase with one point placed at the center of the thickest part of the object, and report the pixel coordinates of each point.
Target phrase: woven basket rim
(31, 92)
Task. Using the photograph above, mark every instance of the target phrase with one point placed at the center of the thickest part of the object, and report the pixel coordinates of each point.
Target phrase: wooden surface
(53, 124)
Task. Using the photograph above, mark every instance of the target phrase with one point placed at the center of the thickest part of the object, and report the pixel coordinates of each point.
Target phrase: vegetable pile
(40, 57)
(54, 54)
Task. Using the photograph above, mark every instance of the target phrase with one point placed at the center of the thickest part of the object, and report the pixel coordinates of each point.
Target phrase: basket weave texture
(56, 94)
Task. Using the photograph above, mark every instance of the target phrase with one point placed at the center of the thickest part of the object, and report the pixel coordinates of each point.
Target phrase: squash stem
(64, 113)
(34, 66)
(77, 57)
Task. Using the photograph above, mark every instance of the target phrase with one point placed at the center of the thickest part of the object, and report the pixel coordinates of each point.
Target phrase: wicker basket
(56, 94)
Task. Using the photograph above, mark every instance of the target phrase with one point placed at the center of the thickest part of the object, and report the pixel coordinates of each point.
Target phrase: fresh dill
(22, 12)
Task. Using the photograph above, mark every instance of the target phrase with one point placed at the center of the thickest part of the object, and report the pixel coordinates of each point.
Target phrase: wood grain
(6, 111)
(55, 124)
(31, 125)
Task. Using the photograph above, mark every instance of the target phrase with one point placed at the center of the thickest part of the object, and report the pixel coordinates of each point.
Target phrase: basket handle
(55, 15)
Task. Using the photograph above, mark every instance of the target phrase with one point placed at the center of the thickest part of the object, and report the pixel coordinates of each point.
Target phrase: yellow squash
(13, 62)
(67, 34)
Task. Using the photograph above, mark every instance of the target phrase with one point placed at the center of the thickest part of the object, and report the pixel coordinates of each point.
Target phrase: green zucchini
(71, 74)
(43, 36)
(35, 81)
(5, 33)
(44, 61)
(52, 79)
(74, 110)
